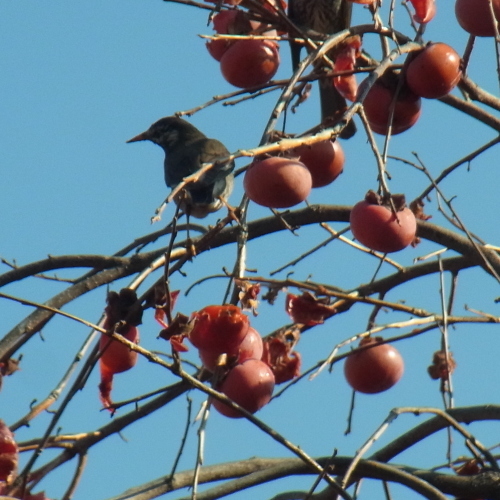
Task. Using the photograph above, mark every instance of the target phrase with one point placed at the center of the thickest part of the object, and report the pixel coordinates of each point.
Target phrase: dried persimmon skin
(222, 327)
(9, 453)
(279, 355)
(425, 10)
(115, 358)
(123, 314)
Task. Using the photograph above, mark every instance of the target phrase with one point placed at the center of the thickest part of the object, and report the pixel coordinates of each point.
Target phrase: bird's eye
(171, 137)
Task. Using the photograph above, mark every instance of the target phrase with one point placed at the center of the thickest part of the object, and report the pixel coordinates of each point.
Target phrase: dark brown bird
(325, 17)
(186, 150)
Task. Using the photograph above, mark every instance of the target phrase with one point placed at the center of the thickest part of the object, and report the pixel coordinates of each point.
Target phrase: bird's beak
(141, 137)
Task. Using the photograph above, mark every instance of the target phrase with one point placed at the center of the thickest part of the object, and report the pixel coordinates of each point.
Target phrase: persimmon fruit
(324, 160)
(250, 348)
(277, 182)
(249, 63)
(249, 384)
(385, 96)
(380, 228)
(434, 71)
(375, 369)
(474, 16)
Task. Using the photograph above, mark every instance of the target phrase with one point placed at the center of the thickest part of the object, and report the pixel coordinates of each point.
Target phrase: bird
(325, 17)
(186, 150)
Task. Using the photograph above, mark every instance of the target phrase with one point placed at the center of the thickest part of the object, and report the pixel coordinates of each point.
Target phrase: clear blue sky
(77, 79)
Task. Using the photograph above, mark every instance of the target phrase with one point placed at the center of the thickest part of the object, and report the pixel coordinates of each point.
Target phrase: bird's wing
(213, 149)
(188, 159)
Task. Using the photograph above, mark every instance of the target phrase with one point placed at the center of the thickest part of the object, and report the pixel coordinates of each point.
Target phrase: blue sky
(77, 79)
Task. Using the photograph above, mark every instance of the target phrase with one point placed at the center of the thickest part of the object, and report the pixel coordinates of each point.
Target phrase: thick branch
(257, 471)
(435, 424)
(310, 215)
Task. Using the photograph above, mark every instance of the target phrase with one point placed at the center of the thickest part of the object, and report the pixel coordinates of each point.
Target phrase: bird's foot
(233, 213)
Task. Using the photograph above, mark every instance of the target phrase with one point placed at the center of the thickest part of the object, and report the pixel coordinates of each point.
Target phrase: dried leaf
(272, 294)
(417, 207)
(161, 305)
(248, 295)
(123, 307)
(8, 368)
(469, 468)
(177, 331)
(307, 309)
(105, 387)
(442, 366)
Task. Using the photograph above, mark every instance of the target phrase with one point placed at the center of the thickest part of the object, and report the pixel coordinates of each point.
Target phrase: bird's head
(168, 132)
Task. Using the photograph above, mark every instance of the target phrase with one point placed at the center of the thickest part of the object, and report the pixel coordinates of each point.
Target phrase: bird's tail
(333, 105)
